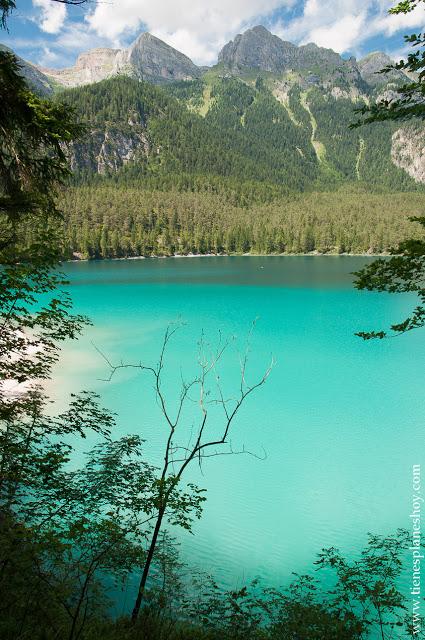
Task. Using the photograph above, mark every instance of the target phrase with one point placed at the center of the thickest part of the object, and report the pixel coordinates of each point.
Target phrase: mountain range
(314, 85)
(257, 49)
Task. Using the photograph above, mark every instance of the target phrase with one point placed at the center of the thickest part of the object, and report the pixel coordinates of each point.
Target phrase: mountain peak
(257, 48)
(146, 37)
(373, 63)
(153, 59)
(259, 28)
(147, 57)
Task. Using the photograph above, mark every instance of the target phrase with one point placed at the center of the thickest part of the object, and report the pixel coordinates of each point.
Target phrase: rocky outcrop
(257, 48)
(408, 151)
(91, 66)
(108, 149)
(310, 55)
(352, 94)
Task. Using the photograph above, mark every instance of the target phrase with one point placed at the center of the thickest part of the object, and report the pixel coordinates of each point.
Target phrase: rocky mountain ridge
(371, 65)
(148, 58)
(256, 50)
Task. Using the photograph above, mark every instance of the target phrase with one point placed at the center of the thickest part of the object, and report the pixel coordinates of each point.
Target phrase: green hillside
(228, 128)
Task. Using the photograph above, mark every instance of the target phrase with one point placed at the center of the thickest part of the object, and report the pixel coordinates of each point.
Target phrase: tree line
(114, 222)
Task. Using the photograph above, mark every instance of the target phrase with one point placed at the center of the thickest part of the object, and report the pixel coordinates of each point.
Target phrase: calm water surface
(341, 421)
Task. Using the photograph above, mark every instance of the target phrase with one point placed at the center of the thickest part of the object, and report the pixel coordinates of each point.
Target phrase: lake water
(341, 421)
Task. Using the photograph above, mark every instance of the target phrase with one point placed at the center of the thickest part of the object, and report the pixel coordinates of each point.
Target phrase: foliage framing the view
(405, 272)
(64, 531)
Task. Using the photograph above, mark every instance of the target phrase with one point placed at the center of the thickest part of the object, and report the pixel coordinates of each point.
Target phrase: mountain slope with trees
(246, 131)
(237, 153)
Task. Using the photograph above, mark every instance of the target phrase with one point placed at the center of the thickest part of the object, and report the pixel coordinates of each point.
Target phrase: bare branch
(178, 456)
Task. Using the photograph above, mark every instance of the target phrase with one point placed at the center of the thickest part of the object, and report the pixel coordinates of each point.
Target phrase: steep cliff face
(154, 60)
(108, 151)
(257, 48)
(109, 148)
(408, 150)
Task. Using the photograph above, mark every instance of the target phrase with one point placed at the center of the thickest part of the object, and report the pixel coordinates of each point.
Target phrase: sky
(52, 34)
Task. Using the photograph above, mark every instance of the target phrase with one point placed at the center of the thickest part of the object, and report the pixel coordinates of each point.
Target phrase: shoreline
(313, 254)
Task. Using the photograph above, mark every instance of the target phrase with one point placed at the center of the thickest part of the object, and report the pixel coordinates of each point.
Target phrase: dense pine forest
(104, 221)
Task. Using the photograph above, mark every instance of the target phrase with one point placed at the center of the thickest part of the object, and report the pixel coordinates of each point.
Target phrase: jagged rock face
(333, 68)
(36, 79)
(352, 94)
(373, 63)
(408, 151)
(107, 150)
(156, 61)
(91, 66)
(257, 48)
(310, 55)
(148, 58)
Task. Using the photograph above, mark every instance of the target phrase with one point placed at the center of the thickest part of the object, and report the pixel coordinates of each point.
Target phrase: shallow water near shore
(334, 431)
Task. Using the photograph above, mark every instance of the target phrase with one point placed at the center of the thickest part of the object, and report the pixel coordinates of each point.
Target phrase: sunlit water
(340, 421)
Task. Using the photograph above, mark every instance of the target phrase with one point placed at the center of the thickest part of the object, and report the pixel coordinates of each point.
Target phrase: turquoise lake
(339, 422)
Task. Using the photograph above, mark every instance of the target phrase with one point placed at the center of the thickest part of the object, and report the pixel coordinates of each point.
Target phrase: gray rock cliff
(408, 150)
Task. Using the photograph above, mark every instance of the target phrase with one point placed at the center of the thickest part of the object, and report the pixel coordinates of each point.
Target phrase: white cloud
(346, 24)
(204, 52)
(339, 36)
(49, 58)
(76, 37)
(52, 15)
(388, 25)
(198, 28)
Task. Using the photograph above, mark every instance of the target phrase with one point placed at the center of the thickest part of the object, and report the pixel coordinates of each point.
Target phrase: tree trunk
(147, 566)
(381, 625)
